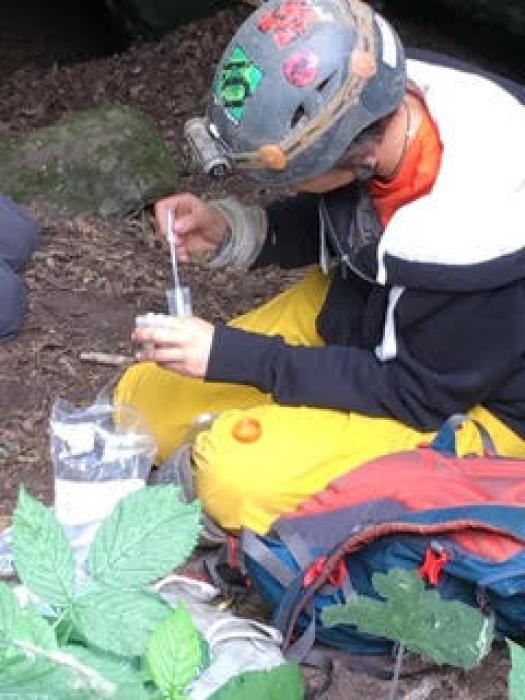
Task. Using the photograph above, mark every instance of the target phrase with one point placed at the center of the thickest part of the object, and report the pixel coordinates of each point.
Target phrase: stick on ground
(103, 358)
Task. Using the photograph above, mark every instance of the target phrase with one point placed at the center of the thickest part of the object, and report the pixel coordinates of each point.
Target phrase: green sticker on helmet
(237, 82)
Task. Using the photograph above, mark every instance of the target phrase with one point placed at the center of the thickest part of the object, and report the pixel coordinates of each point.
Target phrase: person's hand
(184, 345)
(198, 226)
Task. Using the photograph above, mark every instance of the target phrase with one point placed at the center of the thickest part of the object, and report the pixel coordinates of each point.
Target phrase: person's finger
(182, 225)
(180, 205)
(173, 336)
(165, 355)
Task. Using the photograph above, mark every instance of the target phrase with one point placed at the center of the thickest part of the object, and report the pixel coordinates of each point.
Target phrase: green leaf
(48, 684)
(149, 533)
(30, 627)
(115, 668)
(33, 673)
(517, 672)
(118, 621)
(175, 652)
(71, 673)
(285, 681)
(42, 552)
(124, 673)
(20, 625)
(9, 611)
(446, 631)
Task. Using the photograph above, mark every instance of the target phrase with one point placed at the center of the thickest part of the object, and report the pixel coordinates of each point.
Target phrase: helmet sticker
(238, 81)
(301, 69)
(290, 20)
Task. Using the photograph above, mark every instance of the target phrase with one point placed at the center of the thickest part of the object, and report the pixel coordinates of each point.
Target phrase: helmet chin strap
(364, 172)
(404, 147)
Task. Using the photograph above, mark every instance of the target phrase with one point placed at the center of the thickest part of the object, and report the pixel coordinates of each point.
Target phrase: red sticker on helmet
(301, 69)
(289, 20)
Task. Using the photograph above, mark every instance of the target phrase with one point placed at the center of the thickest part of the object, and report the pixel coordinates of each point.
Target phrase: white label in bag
(79, 502)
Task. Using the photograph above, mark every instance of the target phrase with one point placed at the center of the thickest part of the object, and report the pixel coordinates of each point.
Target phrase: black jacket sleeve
(455, 356)
(293, 233)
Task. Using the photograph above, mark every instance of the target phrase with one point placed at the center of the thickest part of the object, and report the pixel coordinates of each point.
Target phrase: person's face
(360, 165)
(327, 182)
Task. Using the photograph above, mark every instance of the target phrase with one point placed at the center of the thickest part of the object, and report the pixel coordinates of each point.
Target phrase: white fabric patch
(469, 217)
(388, 348)
(389, 42)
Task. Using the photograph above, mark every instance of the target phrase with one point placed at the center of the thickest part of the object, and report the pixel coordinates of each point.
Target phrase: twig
(103, 358)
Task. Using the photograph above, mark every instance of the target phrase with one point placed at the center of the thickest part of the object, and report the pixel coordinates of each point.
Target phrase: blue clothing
(18, 239)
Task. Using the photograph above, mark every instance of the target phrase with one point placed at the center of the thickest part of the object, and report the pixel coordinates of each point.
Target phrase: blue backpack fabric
(470, 544)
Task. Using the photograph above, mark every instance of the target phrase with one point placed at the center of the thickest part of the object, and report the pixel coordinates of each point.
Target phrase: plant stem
(397, 672)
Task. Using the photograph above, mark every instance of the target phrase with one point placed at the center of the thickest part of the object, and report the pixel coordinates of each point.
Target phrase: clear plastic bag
(99, 455)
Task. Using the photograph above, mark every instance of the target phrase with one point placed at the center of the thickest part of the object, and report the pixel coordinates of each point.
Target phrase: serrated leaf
(68, 673)
(9, 611)
(30, 675)
(118, 621)
(42, 553)
(446, 631)
(30, 627)
(24, 625)
(148, 534)
(517, 672)
(285, 681)
(175, 652)
(133, 692)
(128, 679)
(115, 668)
(46, 685)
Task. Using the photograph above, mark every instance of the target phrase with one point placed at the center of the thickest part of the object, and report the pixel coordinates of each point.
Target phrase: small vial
(147, 321)
(179, 301)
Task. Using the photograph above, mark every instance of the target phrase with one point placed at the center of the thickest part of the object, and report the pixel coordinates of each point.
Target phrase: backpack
(459, 521)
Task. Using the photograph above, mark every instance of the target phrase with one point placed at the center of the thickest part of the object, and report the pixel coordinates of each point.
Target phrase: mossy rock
(108, 160)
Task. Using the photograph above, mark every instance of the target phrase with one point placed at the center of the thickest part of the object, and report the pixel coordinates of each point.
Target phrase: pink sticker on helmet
(301, 69)
(289, 21)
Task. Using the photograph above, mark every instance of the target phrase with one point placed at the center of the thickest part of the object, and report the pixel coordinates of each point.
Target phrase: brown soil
(90, 277)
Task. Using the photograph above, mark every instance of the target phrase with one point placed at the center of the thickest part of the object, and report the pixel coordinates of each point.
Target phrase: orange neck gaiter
(416, 176)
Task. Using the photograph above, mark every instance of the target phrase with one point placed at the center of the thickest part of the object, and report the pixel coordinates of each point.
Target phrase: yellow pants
(299, 449)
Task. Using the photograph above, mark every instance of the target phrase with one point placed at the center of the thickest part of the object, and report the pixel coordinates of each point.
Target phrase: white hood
(475, 212)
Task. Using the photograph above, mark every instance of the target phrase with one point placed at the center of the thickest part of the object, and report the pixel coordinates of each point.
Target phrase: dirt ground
(90, 277)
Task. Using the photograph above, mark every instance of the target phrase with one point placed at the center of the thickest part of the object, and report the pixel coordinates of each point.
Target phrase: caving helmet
(297, 83)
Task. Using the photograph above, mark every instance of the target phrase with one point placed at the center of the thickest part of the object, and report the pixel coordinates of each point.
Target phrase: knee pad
(18, 234)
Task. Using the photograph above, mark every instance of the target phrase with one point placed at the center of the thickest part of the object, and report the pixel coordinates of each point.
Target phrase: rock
(152, 18)
(109, 160)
